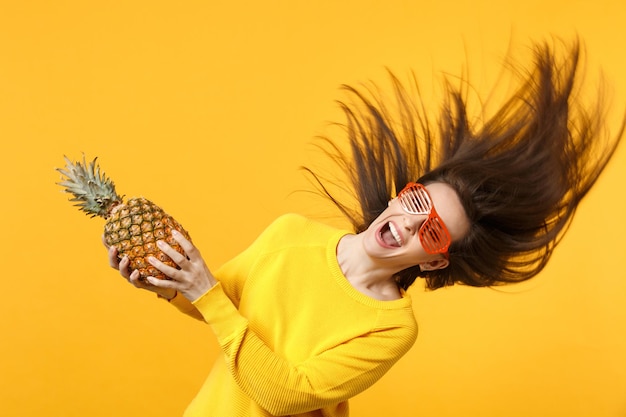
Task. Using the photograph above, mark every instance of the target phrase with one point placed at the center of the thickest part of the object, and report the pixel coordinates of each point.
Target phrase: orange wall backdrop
(209, 108)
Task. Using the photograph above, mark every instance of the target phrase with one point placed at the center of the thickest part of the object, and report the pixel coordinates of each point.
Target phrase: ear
(434, 265)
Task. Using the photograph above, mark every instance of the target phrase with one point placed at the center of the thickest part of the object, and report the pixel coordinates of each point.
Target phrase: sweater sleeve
(231, 275)
(185, 306)
(284, 388)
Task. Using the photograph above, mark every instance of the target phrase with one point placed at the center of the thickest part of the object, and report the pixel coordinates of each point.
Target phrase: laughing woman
(309, 316)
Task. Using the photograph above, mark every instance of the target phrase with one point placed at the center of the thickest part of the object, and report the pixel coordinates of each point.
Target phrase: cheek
(414, 254)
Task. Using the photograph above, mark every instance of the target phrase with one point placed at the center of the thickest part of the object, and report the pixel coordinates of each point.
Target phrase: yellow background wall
(196, 104)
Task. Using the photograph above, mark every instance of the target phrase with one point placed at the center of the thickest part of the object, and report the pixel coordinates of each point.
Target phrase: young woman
(309, 316)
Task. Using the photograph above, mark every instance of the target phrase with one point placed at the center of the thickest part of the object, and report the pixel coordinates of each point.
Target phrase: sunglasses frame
(433, 233)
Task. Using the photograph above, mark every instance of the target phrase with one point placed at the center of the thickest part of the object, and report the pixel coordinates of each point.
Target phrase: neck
(365, 276)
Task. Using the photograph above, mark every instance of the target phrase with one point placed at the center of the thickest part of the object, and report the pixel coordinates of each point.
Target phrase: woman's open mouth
(390, 236)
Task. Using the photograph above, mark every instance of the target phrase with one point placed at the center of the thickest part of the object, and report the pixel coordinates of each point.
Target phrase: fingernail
(160, 243)
(175, 233)
(152, 259)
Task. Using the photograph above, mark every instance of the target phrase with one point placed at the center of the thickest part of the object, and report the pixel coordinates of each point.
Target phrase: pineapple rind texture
(135, 227)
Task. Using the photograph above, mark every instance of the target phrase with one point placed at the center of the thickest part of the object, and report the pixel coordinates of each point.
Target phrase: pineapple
(133, 227)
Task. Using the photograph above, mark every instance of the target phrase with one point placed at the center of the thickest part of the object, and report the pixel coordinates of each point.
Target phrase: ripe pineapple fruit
(134, 227)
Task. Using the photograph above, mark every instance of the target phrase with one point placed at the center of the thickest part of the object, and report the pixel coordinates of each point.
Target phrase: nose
(413, 222)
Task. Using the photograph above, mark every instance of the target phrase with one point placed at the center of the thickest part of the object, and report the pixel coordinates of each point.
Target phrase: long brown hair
(520, 174)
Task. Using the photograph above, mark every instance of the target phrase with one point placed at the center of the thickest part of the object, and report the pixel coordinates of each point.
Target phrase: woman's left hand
(193, 278)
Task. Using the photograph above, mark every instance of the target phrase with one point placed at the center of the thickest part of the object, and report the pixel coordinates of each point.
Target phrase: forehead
(448, 205)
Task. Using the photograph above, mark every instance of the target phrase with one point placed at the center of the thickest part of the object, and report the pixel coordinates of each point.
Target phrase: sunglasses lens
(415, 200)
(434, 237)
(433, 234)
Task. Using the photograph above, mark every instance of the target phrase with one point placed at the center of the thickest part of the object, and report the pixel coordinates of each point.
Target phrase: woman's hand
(133, 277)
(193, 278)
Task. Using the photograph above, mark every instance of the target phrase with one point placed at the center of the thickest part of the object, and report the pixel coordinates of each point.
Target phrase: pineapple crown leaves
(94, 193)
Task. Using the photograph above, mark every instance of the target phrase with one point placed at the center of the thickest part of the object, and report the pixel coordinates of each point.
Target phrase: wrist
(168, 297)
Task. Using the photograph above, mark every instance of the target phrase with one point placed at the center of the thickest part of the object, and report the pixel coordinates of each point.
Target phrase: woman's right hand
(133, 276)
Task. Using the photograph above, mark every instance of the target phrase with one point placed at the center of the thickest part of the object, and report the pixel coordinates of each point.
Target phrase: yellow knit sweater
(297, 338)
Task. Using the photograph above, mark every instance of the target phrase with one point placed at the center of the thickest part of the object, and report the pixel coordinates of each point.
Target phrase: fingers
(162, 283)
(182, 260)
(169, 271)
(114, 261)
(190, 250)
(135, 279)
(161, 288)
(121, 264)
(124, 268)
(190, 276)
(178, 258)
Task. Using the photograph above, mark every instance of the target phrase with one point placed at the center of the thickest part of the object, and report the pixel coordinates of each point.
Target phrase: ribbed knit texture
(297, 338)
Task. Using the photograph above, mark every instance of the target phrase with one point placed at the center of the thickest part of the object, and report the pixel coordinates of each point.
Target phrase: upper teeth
(395, 233)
